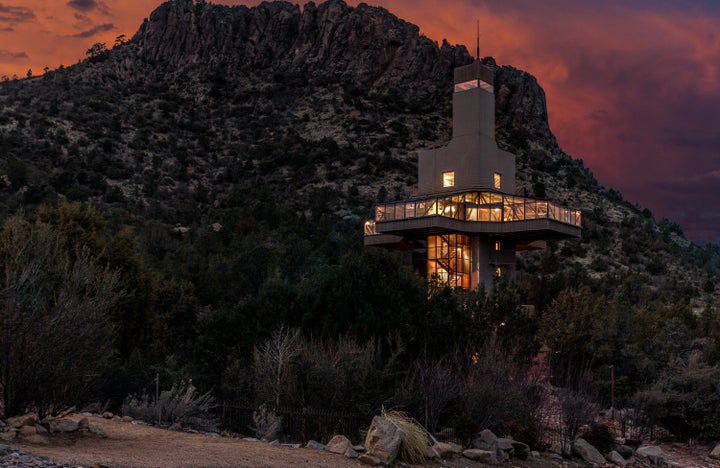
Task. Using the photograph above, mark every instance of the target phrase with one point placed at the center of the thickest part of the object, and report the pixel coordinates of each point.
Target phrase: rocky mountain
(245, 143)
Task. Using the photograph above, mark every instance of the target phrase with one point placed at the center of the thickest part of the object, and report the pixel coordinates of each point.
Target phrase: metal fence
(298, 425)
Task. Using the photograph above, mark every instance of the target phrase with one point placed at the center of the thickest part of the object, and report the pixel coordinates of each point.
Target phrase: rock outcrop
(365, 47)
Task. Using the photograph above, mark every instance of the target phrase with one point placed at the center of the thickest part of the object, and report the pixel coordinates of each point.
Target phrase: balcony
(480, 211)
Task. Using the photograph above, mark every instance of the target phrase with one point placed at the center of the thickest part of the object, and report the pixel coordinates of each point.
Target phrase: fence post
(302, 426)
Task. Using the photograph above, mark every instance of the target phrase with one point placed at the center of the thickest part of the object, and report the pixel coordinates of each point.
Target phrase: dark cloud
(6, 55)
(96, 30)
(8, 29)
(83, 5)
(89, 5)
(15, 14)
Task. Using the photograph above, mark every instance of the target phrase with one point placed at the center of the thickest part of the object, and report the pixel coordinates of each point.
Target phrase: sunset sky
(633, 88)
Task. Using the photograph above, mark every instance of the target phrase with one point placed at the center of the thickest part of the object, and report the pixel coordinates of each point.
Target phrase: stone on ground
(29, 419)
(369, 459)
(383, 439)
(483, 456)
(97, 430)
(625, 450)
(26, 431)
(486, 440)
(616, 458)
(715, 454)
(338, 444)
(587, 452)
(314, 445)
(653, 453)
(63, 425)
(445, 450)
(107, 415)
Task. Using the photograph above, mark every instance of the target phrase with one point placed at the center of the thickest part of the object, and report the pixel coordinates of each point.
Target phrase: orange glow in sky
(633, 88)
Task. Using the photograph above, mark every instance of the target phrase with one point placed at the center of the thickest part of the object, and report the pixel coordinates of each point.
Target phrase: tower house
(465, 223)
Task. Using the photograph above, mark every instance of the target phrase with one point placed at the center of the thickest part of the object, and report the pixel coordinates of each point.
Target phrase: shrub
(182, 404)
(267, 424)
(413, 448)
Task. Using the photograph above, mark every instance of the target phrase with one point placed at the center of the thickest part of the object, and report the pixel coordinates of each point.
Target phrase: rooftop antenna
(477, 50)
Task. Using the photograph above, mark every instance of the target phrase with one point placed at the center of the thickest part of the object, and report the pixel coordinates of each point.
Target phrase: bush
(182, 405)
(601, 437)
(413, 448)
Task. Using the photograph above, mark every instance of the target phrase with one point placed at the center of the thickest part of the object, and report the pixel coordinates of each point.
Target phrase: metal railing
(474, 206)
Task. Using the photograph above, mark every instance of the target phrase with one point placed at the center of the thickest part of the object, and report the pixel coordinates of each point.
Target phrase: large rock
(587, 452)
(314, 445)
(616, 459)
(383, 439)
(339, 444)
(483, 456)
(715, 453)
(625, 450)
(97, 430)
(486, 440)
(17, 422)
(369, 459)
(27, 431)
(653, 453)
(63, 425)
(445, 450)
(8, 436)
(521, 449)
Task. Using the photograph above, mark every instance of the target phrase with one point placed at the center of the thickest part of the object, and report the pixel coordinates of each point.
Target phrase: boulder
(8, 436)
(40, 429)
(486, 440)
(63, 425)
(29, 419)
(616, 459)
(275, 443)
(715, 453)
(126, 419)
(108, 415)
(314, 445)
(587, 452)
(83, 424)
(368, 459)
(625, 450)
(445, 450)
(97, 430)
(653, 453)
(383, 439)
(26, 431)
(521, 450)
(482, 456)
(338, 444)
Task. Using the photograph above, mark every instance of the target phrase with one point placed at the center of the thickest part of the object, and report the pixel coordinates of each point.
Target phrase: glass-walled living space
(486, 206)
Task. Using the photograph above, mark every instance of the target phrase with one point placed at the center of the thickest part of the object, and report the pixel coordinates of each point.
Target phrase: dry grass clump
(413, 448)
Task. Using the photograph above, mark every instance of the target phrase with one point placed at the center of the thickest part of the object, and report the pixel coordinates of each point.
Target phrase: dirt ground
(139, 445)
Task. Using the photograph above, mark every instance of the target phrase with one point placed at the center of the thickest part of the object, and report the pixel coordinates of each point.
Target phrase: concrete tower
(465, 224)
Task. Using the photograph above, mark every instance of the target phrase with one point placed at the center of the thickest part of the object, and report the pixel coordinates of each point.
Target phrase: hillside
(245, 147)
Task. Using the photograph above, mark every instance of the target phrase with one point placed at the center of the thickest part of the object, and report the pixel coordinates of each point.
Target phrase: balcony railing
(475, 206)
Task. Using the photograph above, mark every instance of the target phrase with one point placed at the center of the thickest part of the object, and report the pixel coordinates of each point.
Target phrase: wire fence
(298, 425)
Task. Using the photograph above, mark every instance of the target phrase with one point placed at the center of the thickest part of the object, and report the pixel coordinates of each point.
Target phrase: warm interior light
(448, 179)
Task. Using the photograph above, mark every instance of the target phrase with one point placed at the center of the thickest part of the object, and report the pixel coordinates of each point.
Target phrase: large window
(449, 260)
(448, 179)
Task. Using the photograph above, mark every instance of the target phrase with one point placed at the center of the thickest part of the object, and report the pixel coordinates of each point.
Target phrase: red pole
(612, 390)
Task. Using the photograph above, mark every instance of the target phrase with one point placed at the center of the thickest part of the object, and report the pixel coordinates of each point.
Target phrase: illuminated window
(498, 245)
(449, 260)
(498, 272)
(448, 179)
(497, 180)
